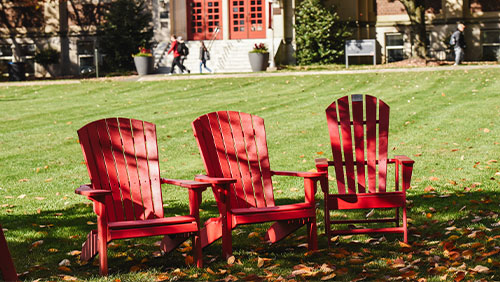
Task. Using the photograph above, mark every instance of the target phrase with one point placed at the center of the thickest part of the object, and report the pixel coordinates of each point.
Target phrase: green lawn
(447, 121)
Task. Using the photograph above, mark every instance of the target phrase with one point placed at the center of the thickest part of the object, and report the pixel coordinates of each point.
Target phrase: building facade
(69, 27)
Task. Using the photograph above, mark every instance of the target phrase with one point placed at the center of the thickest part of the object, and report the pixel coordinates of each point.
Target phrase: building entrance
(203, 18)
(247, 19)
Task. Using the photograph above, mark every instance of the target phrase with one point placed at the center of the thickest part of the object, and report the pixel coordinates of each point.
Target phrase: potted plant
(259, 57)
(144, 61)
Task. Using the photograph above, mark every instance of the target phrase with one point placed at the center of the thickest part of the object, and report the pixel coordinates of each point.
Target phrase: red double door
(247, 19)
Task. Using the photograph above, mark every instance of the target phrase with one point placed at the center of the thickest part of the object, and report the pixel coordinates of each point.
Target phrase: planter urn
(144, 65)
(258, 61)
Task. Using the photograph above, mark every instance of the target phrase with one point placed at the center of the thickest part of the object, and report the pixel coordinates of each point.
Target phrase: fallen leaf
(36, 244)
(189, 260)
(64, 268)
(460, 276)
(253, 234)
(480, 269)
(369, 214)
(21, 196)
(135, 268)
(262, 261)
(65, 262)
(231, 260)
(328, 277)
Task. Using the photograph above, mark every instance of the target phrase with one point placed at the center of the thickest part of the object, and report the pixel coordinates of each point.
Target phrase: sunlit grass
(447, 121)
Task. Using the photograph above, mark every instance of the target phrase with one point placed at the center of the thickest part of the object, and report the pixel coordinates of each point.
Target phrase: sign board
(364, 47)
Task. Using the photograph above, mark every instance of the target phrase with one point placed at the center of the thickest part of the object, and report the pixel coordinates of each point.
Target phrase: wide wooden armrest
(214, 180)
(86, 190)
(298, 173)
(404, 159)
(185, 183)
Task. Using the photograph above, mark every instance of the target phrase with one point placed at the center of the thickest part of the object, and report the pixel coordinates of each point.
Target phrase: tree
(416, 12)
(126, 26)
(320, 33)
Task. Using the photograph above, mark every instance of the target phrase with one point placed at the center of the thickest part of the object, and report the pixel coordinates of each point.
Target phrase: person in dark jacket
(457, 40)
(204, 56)
(177, 57)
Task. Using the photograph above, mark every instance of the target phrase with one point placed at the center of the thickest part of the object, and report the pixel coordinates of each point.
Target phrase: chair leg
(7, 269)
(328, 227)
(312, 234)
(405, 226)
(227, 240)
(198, 256)
(102, 246)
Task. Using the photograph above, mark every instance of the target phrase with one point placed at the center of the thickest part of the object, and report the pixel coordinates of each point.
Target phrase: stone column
(225, 19)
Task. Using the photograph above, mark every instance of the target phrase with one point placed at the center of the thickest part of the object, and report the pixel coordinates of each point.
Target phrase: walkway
(161, 77)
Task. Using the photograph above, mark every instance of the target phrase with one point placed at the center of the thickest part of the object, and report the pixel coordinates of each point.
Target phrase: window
(491, 44)
(394, 45)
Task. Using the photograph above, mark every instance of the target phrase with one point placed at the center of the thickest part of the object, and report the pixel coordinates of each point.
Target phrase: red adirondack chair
(234, 150)
(7, 269)
(363, 167)
(122, 161)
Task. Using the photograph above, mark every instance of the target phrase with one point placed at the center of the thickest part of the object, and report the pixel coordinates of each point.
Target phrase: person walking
(183, 51)
(204, 57)
(457, 40)
(177, 57)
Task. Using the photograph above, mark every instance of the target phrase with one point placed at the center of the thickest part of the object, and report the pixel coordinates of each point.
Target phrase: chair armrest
(86, 190)
(404, 160)
(214, 180)
(185, 183)
(321, 163)
(298, 173)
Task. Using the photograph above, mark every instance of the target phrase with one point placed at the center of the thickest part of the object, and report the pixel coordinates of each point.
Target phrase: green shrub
(126, 26)
(320, 34)
(47, 56)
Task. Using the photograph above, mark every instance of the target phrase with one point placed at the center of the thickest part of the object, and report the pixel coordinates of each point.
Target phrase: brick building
(234, 26)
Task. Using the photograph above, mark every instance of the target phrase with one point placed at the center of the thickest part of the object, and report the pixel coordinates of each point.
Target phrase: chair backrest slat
(235, 140)
(354, 119)
(265, 167)
(154, 168)
(333, 129)
(345, 129)
(142, 168)
(383, 116)
(359, 143)
(371, 142)
(122, 156)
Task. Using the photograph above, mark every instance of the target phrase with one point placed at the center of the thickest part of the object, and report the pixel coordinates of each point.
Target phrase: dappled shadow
(64, 230)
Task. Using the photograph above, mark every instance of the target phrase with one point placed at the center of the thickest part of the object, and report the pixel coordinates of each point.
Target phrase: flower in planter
(259, 48)
(144, 52)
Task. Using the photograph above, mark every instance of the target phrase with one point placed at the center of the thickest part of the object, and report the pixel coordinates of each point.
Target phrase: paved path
(160, 77)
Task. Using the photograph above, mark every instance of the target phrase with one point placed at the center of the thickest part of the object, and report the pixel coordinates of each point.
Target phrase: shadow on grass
(64, 230)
